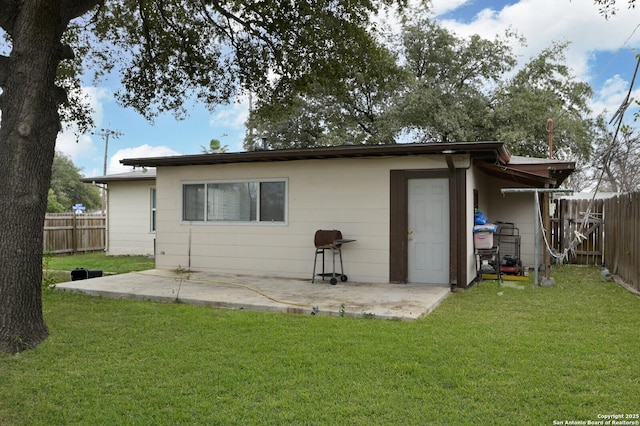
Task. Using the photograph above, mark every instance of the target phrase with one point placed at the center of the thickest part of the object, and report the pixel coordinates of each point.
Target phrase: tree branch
(8, 14)
(72, 9)
(4, 69)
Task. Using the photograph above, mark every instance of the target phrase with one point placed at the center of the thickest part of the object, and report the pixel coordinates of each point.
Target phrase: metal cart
(487, 262)
(508, 238)
(329, 240)
(487, 251)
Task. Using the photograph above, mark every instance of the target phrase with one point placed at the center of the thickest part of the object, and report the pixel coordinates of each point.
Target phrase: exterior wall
(517, 208)
(351, 195)
(129, 218)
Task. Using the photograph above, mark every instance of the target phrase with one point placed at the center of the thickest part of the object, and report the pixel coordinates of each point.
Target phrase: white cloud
(83, 147)
(230, 120)
(542, 22)
(611, 96)
(440, 7)
(141, 151)
(234, 115)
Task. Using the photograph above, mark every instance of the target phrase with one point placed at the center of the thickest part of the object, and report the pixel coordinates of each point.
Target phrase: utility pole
(105, 133)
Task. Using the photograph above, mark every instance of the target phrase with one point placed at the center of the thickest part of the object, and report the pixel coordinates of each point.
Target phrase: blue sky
(602, 53)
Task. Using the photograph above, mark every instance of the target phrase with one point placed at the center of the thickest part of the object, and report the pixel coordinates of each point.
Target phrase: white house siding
(129, 218)
(351, 195)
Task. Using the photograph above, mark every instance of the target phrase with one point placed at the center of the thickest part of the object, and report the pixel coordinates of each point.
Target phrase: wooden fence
(71, 233)
(622, 242)
(577, 225)
(609, 234)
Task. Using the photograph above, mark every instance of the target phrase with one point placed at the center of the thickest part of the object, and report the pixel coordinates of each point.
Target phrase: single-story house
(130, 210)
(409, 208)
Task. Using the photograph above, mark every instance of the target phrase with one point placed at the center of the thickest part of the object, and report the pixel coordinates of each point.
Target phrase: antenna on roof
(261, 144)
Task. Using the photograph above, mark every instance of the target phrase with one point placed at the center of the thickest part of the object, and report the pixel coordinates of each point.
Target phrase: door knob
(410, 231)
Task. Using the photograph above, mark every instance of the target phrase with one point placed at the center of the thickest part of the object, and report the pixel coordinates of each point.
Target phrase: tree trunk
(30, 124)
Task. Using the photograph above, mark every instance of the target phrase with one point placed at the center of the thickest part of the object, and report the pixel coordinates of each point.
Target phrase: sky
(601, 52)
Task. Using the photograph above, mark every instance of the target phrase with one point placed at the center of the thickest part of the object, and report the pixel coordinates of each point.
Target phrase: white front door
(428, 233)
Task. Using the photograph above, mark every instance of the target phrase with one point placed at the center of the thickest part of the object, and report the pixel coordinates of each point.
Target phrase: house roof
(143, 174)
(531, 171)
(492, 157)
(487, 150)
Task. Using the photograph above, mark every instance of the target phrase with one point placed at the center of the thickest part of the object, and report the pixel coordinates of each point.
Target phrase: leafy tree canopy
(438, 87)
(67, 189)
(164, 52)
(545, 88)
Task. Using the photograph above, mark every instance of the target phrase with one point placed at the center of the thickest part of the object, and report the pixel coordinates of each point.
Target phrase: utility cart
(508, 239)
(487, 250)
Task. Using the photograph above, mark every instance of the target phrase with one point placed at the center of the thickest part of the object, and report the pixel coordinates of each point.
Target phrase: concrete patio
(382, 301)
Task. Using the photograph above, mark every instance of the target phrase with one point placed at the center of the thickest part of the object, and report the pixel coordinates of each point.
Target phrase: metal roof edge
(122, 177)
(489, 150)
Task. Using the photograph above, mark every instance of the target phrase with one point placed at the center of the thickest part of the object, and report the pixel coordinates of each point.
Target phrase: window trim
(153, 209)
(256, 222)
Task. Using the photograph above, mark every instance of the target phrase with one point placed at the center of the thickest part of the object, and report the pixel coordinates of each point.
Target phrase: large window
(251, 201)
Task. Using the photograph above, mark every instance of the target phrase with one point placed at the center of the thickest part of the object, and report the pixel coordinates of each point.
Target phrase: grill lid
(327, 238)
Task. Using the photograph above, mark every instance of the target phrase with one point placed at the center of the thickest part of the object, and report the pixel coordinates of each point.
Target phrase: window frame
(153, 200)
(256, 222)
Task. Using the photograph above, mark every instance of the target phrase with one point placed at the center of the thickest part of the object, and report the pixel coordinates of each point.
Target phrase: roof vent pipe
(550, 129)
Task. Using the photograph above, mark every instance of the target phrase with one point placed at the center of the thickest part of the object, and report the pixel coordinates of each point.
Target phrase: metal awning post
(536, 233)
(536, 204)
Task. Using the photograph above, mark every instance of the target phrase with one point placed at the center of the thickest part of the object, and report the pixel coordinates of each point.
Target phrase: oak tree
(165, 52)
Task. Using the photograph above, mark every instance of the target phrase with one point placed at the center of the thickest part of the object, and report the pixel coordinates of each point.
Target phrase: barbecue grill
(329, 240)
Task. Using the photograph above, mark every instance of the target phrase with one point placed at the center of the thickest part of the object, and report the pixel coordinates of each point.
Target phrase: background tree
(608, 8)
(448, 98)
(544, 88)
(67, 188)
(439, 87)
(331, 106)
(618, 161)
(166, 51)
(215, 146)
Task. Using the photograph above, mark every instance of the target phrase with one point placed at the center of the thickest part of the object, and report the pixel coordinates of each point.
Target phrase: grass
(97, 260)
(57, 267)
(490, 355)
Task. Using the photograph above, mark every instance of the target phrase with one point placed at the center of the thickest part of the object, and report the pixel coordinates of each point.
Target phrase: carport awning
(538, 175)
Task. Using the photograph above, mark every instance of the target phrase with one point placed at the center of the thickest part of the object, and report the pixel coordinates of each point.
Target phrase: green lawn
(98, 260)
(487, 356)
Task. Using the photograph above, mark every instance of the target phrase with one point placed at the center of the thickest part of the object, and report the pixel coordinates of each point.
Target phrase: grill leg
(315, 262)
(333, 256)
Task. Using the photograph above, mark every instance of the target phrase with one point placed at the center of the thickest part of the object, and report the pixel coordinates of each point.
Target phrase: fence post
(74, 233)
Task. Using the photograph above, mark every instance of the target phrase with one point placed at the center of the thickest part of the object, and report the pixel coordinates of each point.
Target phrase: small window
(250, 201)
(193, 197)
(272, 201)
